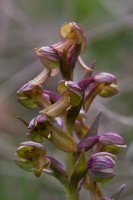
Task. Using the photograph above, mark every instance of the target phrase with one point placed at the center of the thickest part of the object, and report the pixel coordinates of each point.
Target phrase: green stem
(71, 192)
(70, 161)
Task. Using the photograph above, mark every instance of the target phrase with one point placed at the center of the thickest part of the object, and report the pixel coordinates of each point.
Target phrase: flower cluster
(62, 118)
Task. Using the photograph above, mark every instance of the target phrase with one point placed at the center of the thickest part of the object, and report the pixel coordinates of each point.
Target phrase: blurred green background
(26, 24)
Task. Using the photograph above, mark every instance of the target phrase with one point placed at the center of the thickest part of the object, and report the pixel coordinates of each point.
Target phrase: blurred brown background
(24, 25)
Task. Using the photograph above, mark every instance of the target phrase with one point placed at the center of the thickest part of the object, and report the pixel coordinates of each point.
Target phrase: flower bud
(105, 77)
(48, 57)
(100, 166)
(112, 142)
(111, 138)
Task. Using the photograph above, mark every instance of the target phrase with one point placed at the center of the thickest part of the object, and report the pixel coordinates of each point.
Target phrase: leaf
(117, 194)
(56, 170)
(79, 170)
(94, 127)
(23, 121)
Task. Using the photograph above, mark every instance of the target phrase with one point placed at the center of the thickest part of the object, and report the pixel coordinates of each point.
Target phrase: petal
(41, 78)
(108, 91)
(25, 165)
(83, 65)
(111, 138)
(62, 86)
(65, 29)
(59, 138)
(105, 77)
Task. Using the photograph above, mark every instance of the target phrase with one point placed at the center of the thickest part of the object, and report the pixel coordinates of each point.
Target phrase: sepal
(87, 143)
(58, 107)
(112, 142)
(48, 57)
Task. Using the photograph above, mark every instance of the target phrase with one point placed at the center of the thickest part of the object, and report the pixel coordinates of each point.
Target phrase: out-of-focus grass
(108, 26)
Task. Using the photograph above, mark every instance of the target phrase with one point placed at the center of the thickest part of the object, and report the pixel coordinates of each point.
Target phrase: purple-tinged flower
(74, 91)
(104, 84)
(112, 142)
(63, 54)
(50, 60)
(111, 85)
(48, 57)
(32, 96)
(44, 127)
(31, 157)
(71, 96)
(71, 35)
(100, 166)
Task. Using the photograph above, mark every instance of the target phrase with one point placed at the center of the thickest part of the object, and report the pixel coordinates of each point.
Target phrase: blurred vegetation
(24, 25)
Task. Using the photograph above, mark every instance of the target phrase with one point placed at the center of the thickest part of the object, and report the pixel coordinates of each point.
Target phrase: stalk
(71, 192)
